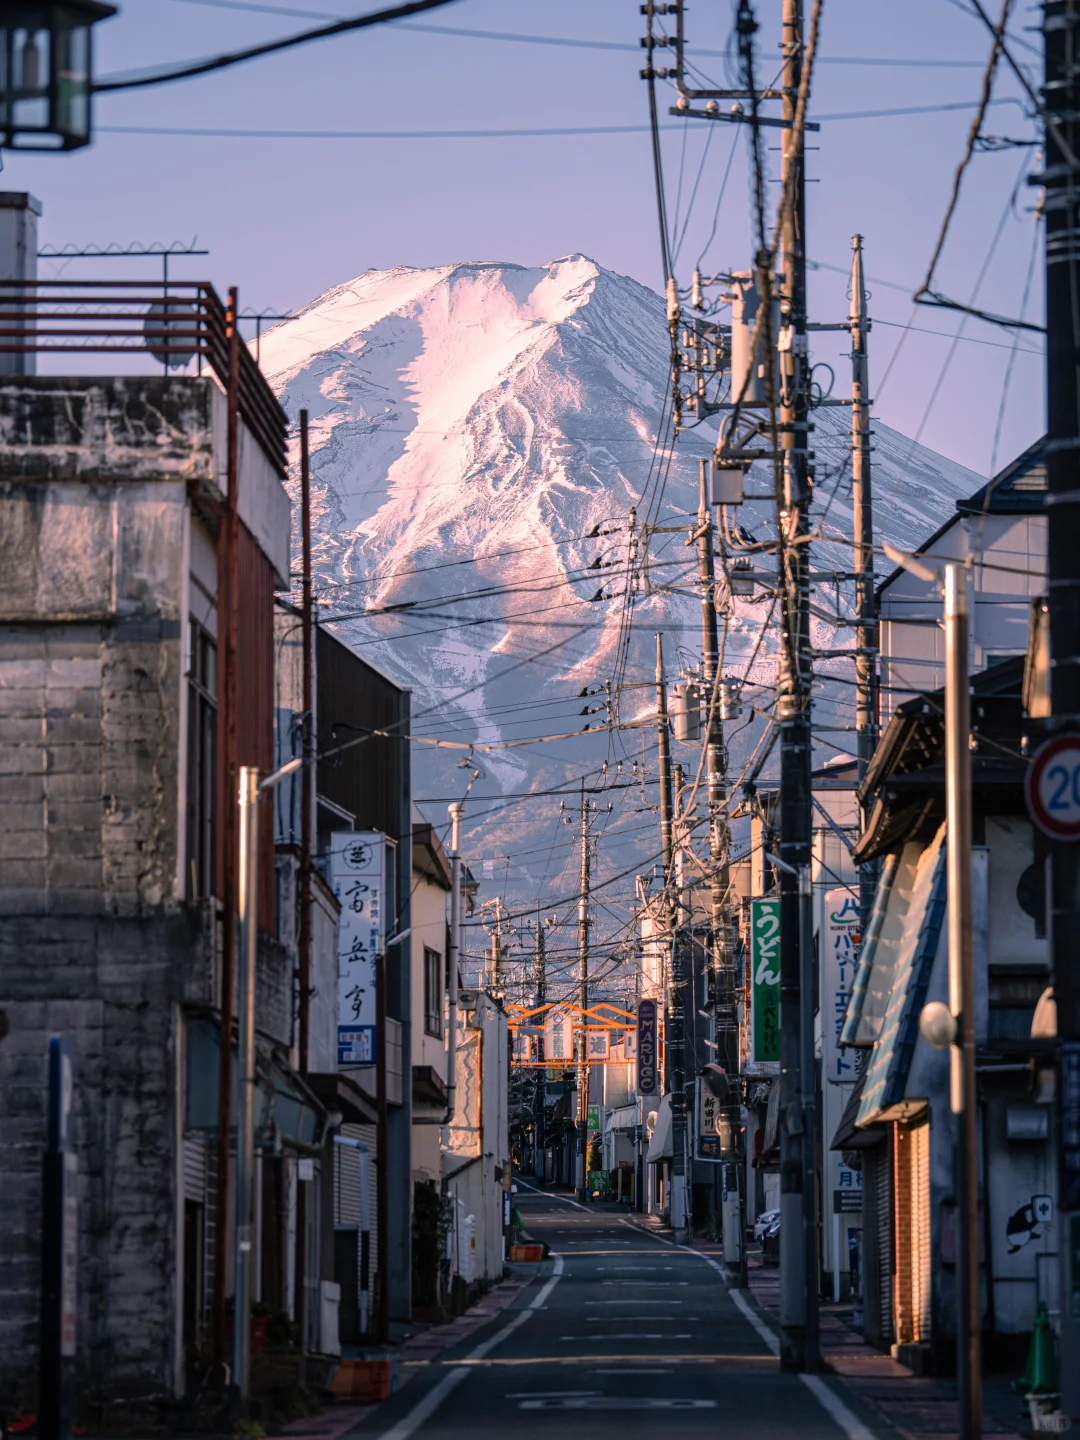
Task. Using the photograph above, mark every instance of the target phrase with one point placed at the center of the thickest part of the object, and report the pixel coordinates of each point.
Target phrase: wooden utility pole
(228, 610)
(798, 1230)
(1061, 25)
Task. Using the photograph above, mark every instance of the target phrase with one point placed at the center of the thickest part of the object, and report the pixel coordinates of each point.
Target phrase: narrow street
(618, 1321)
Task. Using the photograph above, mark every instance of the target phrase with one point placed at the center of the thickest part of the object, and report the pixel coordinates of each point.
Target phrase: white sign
(558, 1035)
(597, 1044)
(357, 861)
(839, 960)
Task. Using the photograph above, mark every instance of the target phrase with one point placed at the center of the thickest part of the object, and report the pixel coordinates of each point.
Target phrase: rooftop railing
(177, 323)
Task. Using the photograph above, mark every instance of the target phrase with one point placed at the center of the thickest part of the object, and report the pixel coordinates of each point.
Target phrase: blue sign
(648, 1077)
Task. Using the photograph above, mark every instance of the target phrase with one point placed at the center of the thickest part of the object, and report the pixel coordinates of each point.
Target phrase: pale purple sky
(286, 218)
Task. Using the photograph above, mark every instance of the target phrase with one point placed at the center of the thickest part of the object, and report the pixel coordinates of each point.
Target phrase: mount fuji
(480, 434)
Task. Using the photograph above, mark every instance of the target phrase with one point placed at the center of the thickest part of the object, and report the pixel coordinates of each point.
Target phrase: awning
(660, 1141)
(916, 945)
(338, 1091)
(847, 1137)
(850, 1034)
(428, 1086)
(623, 1118)
(286, 1111)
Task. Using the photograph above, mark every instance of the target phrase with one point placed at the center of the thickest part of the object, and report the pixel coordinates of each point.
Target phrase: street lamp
(45, 73)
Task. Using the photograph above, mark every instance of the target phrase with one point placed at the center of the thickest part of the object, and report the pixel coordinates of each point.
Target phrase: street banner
(764, 980)
(558, 1035)
(597, 1044)
(839, 960)
(357, 859)
(648, 1078)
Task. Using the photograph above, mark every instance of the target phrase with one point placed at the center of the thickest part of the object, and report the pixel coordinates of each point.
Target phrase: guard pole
(962, 998)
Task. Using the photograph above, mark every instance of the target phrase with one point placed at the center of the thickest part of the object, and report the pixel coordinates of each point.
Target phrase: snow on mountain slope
(471, 424)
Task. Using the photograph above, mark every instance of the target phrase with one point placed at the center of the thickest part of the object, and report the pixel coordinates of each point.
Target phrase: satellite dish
(169, 327)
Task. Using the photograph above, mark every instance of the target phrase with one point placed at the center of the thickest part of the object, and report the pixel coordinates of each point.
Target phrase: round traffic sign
(1052, 788)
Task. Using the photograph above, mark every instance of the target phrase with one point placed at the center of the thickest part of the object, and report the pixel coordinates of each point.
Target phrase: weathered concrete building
(112, 492)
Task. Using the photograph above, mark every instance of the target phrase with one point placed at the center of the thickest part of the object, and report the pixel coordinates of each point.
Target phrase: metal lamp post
(46, 74)
(250, 789)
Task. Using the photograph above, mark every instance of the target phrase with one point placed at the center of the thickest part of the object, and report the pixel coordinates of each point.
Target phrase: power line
(535, 132)
(271, 47)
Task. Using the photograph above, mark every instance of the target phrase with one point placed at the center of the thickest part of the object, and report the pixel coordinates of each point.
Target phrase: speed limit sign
(1052, 788)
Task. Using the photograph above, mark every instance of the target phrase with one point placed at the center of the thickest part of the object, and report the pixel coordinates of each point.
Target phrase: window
(433, 992)
(201, 759)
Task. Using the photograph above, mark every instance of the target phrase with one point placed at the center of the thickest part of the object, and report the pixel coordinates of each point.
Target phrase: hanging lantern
(45, 73)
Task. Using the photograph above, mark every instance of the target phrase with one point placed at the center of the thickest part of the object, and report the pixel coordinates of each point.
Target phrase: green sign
(764, 980)
(593, 1122)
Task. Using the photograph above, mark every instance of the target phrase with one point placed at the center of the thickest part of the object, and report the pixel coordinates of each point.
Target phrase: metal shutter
(195, 1168)
(921, 1278)
(884, 1236)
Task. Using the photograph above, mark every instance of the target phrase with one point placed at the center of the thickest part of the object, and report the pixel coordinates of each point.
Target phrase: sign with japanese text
(648, 1076)
(357, 864)
(839, 960)
(558, 1035)
(597, 1044)
(708, 1141)
(764, 980)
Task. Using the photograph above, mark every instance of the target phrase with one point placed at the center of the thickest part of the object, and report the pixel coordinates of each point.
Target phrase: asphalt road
(624, 1335)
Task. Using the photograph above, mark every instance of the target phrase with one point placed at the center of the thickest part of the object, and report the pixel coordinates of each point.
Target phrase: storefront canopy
(660, 1142)
(287, 1113)
(904, 956)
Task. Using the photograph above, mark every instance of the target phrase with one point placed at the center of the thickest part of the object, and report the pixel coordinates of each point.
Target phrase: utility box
(686, 710)
(726, 483)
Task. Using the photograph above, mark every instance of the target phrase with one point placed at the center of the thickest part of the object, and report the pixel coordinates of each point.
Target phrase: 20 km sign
(1052, 788)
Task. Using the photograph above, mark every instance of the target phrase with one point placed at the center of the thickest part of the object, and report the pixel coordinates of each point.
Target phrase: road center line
(426, 1407)
(827, 1398)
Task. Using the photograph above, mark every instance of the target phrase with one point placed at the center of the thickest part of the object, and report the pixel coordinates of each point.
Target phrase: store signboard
(839, 960)
(764, 980)
(558, 1034)
(648, 1074)
(357, 873)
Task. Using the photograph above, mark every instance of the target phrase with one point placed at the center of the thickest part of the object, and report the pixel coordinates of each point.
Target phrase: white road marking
(827, 1398)
(831, 1403)
(548, 1394)
(630, 1370)
(618, 1402)
(424, 1410)
(629, 1335)
(635, 1302)
(562, 1200)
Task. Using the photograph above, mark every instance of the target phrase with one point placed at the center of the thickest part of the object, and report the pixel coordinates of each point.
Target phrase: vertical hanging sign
(647, 1072)
(558, 1034)
(764, 980)
(357, 861)
(839, 958)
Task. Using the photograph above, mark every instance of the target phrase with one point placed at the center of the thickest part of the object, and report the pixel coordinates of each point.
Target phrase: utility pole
(866, 665)
(228, 601)
(583, 1005)
(1061, 28)
(725, 1016)
(798, 1229)
(674, 1017)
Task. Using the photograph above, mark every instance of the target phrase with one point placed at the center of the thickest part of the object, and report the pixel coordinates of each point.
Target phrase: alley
(618, 1322)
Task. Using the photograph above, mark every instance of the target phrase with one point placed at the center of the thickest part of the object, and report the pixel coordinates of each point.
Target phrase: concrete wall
(96, 480)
